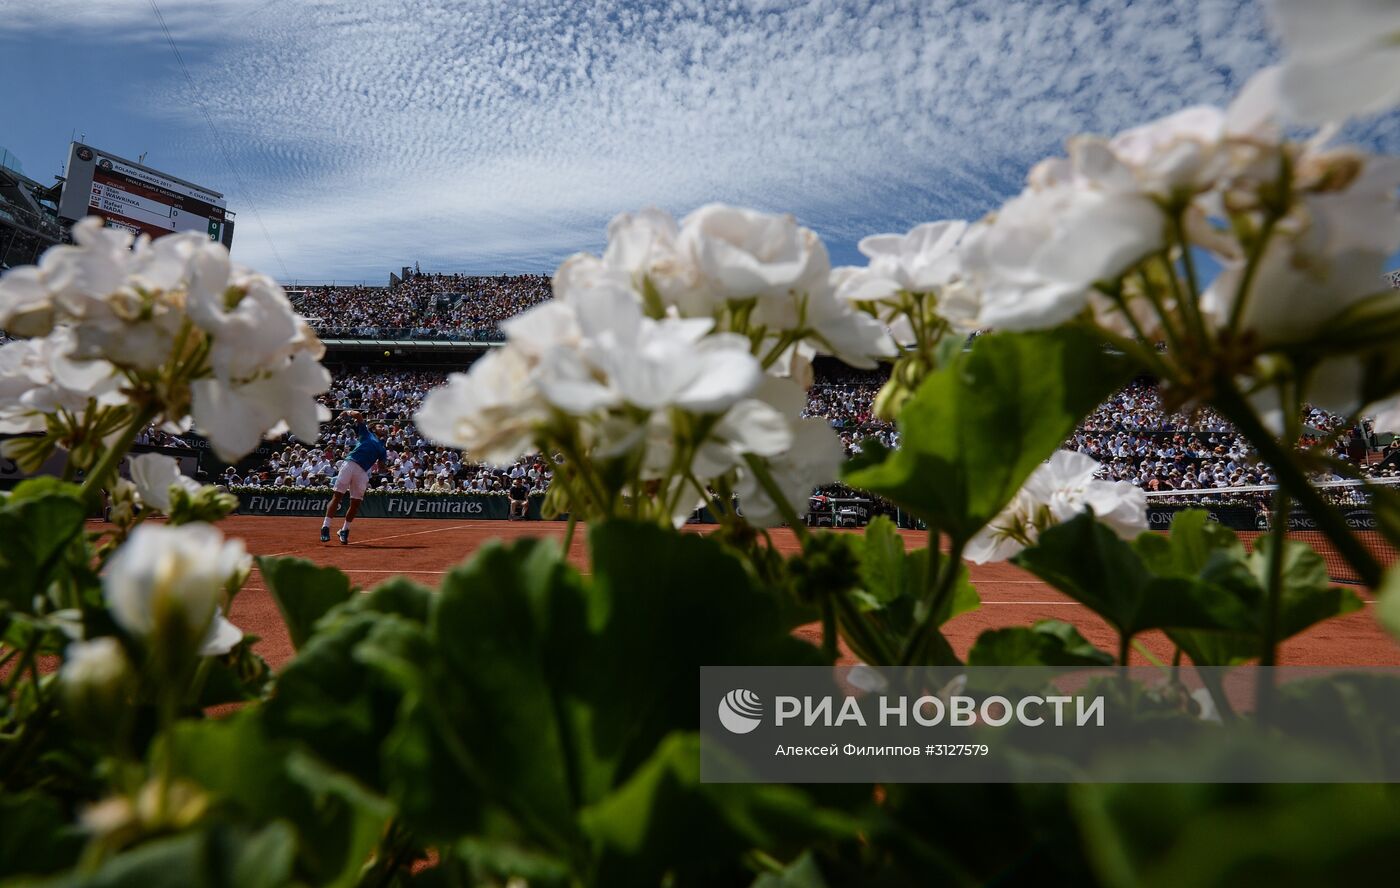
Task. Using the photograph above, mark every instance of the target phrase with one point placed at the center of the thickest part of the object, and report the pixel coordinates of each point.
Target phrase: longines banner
(1159, 517)
(383, 505)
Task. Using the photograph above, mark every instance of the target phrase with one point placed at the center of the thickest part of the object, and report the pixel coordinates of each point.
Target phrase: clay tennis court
(424, 549)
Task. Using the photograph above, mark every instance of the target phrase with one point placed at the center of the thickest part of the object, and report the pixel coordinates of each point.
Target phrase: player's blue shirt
(369, 450)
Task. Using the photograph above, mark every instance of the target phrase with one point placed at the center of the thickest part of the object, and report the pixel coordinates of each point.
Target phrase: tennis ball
(386, 353)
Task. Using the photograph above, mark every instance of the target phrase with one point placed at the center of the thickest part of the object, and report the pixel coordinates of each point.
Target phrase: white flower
(40, 376)
(1342, 57)
(1188, 152)
(644, 247)
(26, 308)
(752, 254)
(94, 665)
(1178, 152)
(165, 578)
(922, 261)
(92, 269)
(1326, 255)
(253, 329)
(1082, 220)
(838, 329)
(1205, 705)
(769, 258)
(867, 678)
(154, 474)
(814, 459)
(1054, 493)
(761, 426)
(222, 636)
(236, 415)
(490, 411)
(623, 357)
(1386, 415)
(126, 305)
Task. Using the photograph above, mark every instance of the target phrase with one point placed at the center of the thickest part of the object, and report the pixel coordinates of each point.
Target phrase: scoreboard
(139, 199)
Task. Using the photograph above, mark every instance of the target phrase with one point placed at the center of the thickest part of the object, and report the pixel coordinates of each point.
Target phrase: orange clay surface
(423, 549)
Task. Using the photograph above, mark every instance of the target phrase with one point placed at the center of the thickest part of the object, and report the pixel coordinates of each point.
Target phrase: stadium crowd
(414, 464)
(422, 306)
(1131, 434)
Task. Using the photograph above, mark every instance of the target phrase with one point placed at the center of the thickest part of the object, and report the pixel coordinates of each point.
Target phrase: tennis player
(353, 477)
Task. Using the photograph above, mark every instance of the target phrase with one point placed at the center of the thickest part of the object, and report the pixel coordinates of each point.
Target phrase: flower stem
(1173, 337)
(1273, 598)
(98, 478)
(870, 645)
(1273, 214)
(1291, 476)
(940, 593)
(1251, 269)
(1191, 310)
(569, 532)
(765, 480)
(829, 632)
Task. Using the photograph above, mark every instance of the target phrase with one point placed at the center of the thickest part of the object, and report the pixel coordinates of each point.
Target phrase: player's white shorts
(351, 479)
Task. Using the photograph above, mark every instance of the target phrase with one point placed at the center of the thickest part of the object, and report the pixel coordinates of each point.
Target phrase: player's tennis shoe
(344, 534)
(325, 534)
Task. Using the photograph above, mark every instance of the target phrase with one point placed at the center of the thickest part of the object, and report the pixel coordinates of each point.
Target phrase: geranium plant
(527, 722)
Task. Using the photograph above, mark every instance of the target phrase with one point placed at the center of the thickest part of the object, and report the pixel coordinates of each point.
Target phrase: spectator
(519, 498)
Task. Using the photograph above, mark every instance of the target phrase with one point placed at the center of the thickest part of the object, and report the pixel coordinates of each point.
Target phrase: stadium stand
(421, 306)
(29, 222)
(1131, 434)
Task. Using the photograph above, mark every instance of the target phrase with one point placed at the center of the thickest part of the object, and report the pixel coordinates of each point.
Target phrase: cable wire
(214, 131)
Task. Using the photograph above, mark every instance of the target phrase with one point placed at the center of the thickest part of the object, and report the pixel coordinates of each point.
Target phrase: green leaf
(664, 820)
(977, 428)
(491, 631)
(435, 796)
(1089, 563)
(895, 591)
(38, 837)
(331, 699)
(1225, 835)
(500, 862)
(1195, 543)
(1388, 601)
(801, 873)
(235, 677)
(259, 778)
(662, 605)
(1046, 643)
(304, 592)
(38, 523)
(1307, 598)
(882, 560)
(542, 692)
(218, 856)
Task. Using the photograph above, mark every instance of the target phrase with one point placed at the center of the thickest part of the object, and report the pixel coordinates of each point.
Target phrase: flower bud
(164, 585)
(95, 679)
(1329, 170)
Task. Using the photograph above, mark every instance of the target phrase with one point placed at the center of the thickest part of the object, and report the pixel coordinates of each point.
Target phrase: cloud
(494, 136)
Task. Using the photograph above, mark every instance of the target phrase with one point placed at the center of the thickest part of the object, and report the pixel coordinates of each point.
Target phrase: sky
(353, 137)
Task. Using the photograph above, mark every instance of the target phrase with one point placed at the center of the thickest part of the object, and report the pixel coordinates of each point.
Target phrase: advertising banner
(383, 505)
(1235, 517)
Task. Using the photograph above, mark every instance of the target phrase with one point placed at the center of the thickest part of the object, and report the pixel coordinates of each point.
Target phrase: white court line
(392, 536)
